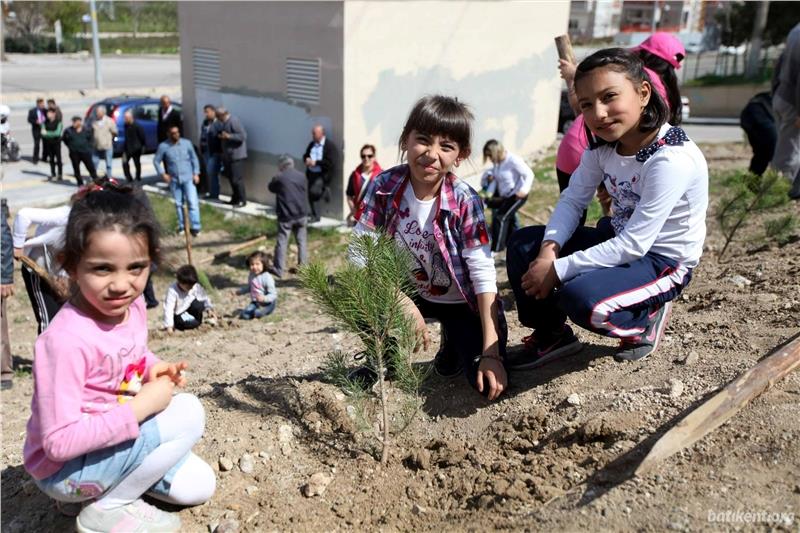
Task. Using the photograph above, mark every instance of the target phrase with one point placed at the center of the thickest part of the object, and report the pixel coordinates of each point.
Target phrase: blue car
(145, 111)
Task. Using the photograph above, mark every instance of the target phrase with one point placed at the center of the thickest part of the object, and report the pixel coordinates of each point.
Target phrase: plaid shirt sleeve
(473, 223)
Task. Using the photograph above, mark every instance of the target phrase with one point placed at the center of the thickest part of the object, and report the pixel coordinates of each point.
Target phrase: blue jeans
(614, 302)
(186, 190)
(108, 157)
(213, 162)
(92, 475)
(257, 310)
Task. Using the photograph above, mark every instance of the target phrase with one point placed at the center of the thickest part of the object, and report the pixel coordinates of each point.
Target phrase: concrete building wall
(499, 57)
(254, 39)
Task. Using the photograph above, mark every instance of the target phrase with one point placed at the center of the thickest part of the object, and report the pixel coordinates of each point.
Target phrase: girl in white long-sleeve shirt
(618, 282)
(43, 248)
(513, 180)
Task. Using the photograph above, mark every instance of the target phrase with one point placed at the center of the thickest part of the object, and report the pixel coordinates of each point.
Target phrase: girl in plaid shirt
(439, 218)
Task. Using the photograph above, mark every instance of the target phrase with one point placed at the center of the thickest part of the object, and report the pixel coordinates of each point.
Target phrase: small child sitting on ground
(186, 301)
(263, 294)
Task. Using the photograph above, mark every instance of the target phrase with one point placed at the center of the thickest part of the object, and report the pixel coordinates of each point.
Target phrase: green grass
(241, 227)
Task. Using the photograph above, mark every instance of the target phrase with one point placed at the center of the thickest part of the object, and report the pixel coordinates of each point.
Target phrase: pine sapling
(750, 194)
(367, 299)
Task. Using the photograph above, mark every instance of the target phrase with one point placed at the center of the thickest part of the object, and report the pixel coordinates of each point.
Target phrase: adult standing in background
(319, 159)
(51, 139)
(182, 173)
(6, 291)
(168, 117)
(360, 178)
(211, 149)
(290, 198)
(51, 105)
(104, 129)
(134, 146)
(36, 117)
(80, 144)
(233, 139)
(786, 104)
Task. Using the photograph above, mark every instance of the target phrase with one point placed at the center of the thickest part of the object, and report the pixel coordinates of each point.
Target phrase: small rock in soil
(676, 388)
(246, 463)
(225, 464)
(418, 509)
(574, 399)
(228, 525)
(419, 460)
(285, 433)
(251, 489)
(740, 281)
(316, 485)
(692, 358)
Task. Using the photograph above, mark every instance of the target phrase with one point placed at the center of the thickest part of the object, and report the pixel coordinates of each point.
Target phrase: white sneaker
(136, 517)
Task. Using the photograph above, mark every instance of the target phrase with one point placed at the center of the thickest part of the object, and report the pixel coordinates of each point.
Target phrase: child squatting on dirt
(439, 219)
(261, 286)
(106, 423)
(186, 301)
(618, 281)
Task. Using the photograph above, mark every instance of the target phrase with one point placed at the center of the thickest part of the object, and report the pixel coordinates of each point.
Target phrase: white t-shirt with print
(429, 269)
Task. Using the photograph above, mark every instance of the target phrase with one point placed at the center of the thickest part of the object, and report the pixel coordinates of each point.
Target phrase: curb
(81, 94)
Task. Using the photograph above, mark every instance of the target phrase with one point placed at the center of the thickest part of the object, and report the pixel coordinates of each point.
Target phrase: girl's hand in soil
(170, 330)
(172, 371)
(491, 368)
(153, 398)
(423, 339)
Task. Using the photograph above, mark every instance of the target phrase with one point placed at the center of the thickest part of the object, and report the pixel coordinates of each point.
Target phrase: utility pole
(756, 40)
(98, 75)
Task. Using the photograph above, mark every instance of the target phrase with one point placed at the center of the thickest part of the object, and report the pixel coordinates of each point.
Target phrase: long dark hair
(107, 205)
(440, 115)
(667, 74)
(655, 113)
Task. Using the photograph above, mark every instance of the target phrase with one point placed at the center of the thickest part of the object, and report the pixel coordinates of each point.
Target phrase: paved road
(50, 72)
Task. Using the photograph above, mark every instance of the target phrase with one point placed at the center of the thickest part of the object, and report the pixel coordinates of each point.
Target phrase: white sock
(194, 483)
(181, 425)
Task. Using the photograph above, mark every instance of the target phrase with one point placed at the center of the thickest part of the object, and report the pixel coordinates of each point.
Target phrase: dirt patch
(534, 460)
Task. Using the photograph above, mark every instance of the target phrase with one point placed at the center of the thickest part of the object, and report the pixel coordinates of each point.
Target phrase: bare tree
(135, 9)
(759, 25)
(27, 21)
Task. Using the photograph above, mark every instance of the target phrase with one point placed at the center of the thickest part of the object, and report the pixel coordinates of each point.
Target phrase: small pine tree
(750, 194)
(367, 299)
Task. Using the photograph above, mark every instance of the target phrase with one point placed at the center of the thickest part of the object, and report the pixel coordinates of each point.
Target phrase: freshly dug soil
(534, 460)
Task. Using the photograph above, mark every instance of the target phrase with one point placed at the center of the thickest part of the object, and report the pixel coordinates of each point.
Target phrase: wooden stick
(564, 47)
(234, 249)
(187, 234)
(726, 403)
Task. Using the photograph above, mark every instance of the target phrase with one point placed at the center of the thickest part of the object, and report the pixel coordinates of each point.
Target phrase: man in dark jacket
(211, 149)
(51, 104)
(36, 117)
(6, 291)
(168, 117)
(290, 198)
(319, 159)
(80, 144)
(134, 146)
(234, 152)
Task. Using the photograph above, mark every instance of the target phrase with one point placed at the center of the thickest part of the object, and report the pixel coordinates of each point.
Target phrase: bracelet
(492, 356)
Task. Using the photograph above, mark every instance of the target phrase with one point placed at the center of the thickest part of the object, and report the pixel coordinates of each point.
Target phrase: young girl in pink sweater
(106, 424)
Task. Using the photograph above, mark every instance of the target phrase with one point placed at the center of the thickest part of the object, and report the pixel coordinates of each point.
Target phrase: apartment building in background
(357, 67)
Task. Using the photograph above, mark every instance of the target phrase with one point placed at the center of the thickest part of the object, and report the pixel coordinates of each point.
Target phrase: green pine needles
(366, 299)
(749, 194)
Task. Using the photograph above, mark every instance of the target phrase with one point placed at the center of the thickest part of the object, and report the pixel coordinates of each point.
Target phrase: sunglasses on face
(367, 156)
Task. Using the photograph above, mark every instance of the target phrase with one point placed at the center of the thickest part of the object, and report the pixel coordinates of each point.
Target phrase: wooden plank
(722, 406)
(234, 249)
(564, 47)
